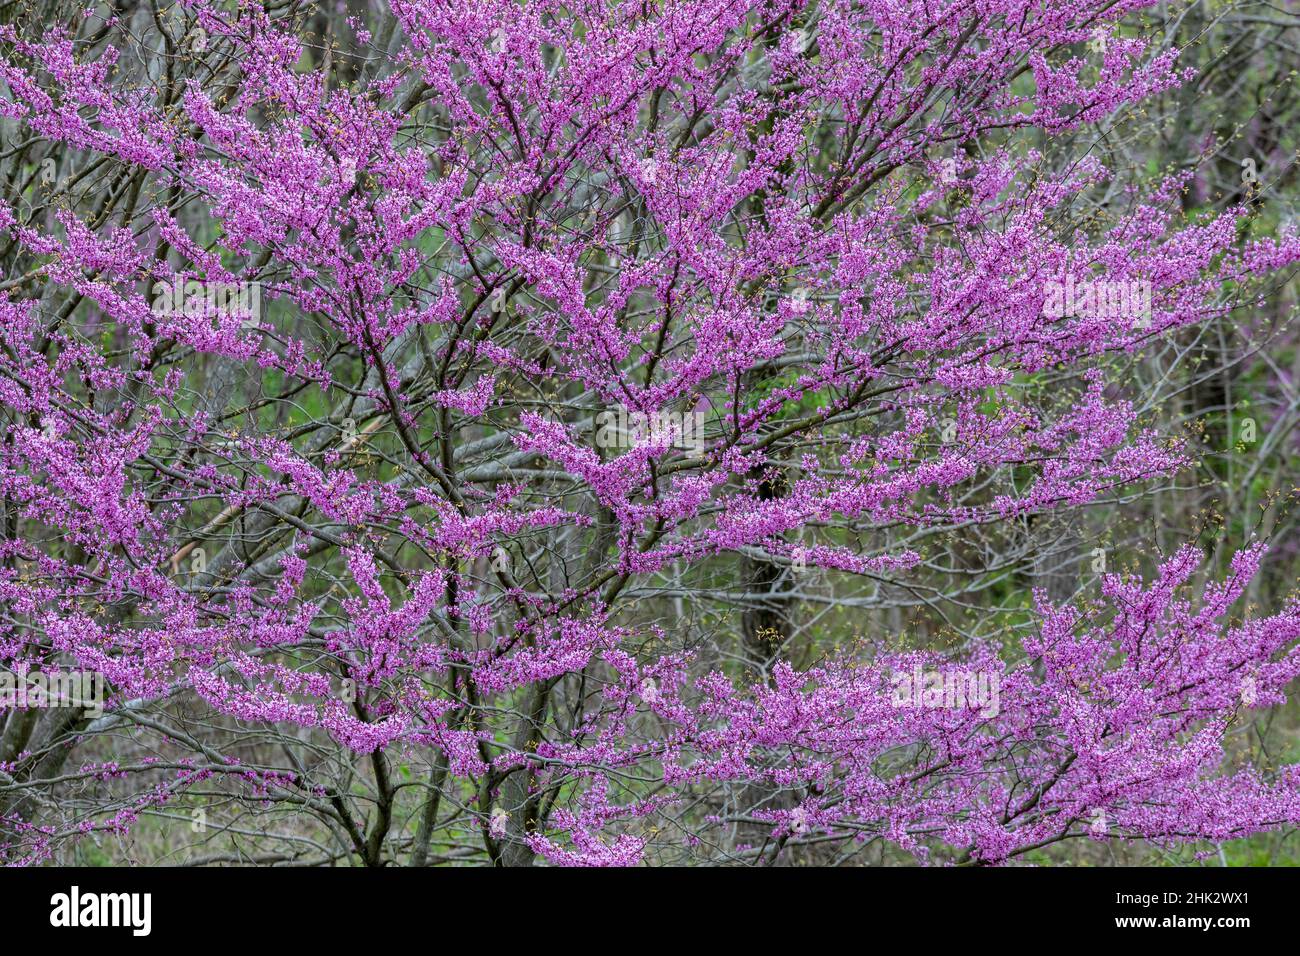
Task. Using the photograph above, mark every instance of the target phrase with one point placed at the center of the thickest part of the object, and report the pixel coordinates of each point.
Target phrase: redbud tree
(520, 432)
